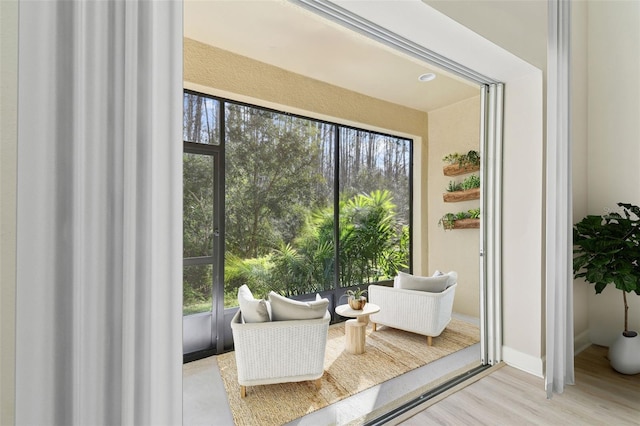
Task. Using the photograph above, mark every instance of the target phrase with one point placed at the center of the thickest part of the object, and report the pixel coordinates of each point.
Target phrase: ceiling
(284, 35)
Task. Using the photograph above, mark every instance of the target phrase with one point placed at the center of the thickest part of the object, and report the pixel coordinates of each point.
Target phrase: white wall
(8, 147)
(522, 232)
(519, 26)
(614, 138)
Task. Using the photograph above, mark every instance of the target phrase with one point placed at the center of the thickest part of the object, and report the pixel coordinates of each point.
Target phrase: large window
(307, 206)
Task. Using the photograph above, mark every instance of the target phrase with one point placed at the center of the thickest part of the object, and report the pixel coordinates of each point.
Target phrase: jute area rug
(389, 353)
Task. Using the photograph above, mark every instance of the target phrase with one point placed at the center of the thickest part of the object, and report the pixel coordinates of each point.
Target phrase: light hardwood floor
(511, 397)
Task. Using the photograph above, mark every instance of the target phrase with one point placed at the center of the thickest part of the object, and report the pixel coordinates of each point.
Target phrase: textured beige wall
(223, 73)
(455, 128)
(8, 147)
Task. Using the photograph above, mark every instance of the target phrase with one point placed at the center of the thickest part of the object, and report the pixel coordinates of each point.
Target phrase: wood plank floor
(511, 397)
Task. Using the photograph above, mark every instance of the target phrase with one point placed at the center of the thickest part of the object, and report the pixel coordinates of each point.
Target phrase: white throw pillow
(285, 309)
(429, 284)
(253, 310)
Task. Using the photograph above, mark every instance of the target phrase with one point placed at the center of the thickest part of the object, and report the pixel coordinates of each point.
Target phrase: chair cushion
(253, 310)
(453, 278)
(285, 309)
(429, 284)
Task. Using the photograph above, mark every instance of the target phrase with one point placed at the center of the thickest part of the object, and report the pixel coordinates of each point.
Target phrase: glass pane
(197, 205)
(197, 283)
(375, 206)
(201, 118)
(279, 203)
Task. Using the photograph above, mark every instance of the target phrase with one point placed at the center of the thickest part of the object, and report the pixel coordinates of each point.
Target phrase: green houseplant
(471, 158)
(448, 220)
(356, 298)
(607, 251)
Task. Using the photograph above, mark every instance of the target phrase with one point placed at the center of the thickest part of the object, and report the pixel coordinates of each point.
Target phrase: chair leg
(429, 340)
(318, 383)
(373, 325)
(243, 391)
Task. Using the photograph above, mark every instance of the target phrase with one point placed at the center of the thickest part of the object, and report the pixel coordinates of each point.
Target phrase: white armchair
(416, 311)
(279, 351)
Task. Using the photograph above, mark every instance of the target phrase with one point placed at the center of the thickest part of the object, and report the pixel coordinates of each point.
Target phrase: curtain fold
(99, 234)
(559, 247)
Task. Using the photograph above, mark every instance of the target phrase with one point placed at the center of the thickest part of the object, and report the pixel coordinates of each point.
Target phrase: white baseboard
(581, 342)
(534, 365)
(521, 361)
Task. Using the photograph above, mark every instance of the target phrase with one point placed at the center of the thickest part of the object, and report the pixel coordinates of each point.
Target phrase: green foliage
(270, 172)
(447, 221)
(462, 215)
(356, 294)
(454, 186)
(198, 229)
(368, 232)
(471, 158)
(607, 250)
(373, 246)
(254, 272)
(471, 182)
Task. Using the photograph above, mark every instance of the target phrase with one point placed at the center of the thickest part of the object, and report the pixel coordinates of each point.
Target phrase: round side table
(355, 329)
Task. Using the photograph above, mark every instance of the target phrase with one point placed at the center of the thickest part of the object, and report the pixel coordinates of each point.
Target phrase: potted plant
(607, 250)
(356, 298)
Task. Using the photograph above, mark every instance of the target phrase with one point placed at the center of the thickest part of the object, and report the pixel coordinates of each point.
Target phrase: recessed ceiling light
(427, 77)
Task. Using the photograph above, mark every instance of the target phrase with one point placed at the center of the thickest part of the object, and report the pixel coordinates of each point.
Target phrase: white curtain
(99, 248)
(559, 278)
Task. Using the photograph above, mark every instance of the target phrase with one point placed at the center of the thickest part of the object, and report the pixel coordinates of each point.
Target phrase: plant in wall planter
(461, 220)
(607, 252)
(468, 189)
(461, 163)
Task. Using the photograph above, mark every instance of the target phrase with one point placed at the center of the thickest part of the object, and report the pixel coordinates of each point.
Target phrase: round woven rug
(389, 353)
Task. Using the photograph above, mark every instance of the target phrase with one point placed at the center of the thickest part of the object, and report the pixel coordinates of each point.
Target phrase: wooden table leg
(363, 318)
(355, 332)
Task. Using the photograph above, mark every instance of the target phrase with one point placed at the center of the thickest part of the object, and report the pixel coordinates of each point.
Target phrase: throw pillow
(253, 310)
(453, 278)
(285, 309)
(429, 284)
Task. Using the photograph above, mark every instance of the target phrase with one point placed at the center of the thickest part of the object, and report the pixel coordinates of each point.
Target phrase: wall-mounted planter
(454, 197)
(456, 170)
(466, 224)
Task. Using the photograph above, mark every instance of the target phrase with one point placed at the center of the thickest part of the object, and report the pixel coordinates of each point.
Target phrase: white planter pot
(624, 354)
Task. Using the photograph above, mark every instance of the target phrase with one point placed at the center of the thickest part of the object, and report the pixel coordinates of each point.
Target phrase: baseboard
(581, 342)
(521, 361)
